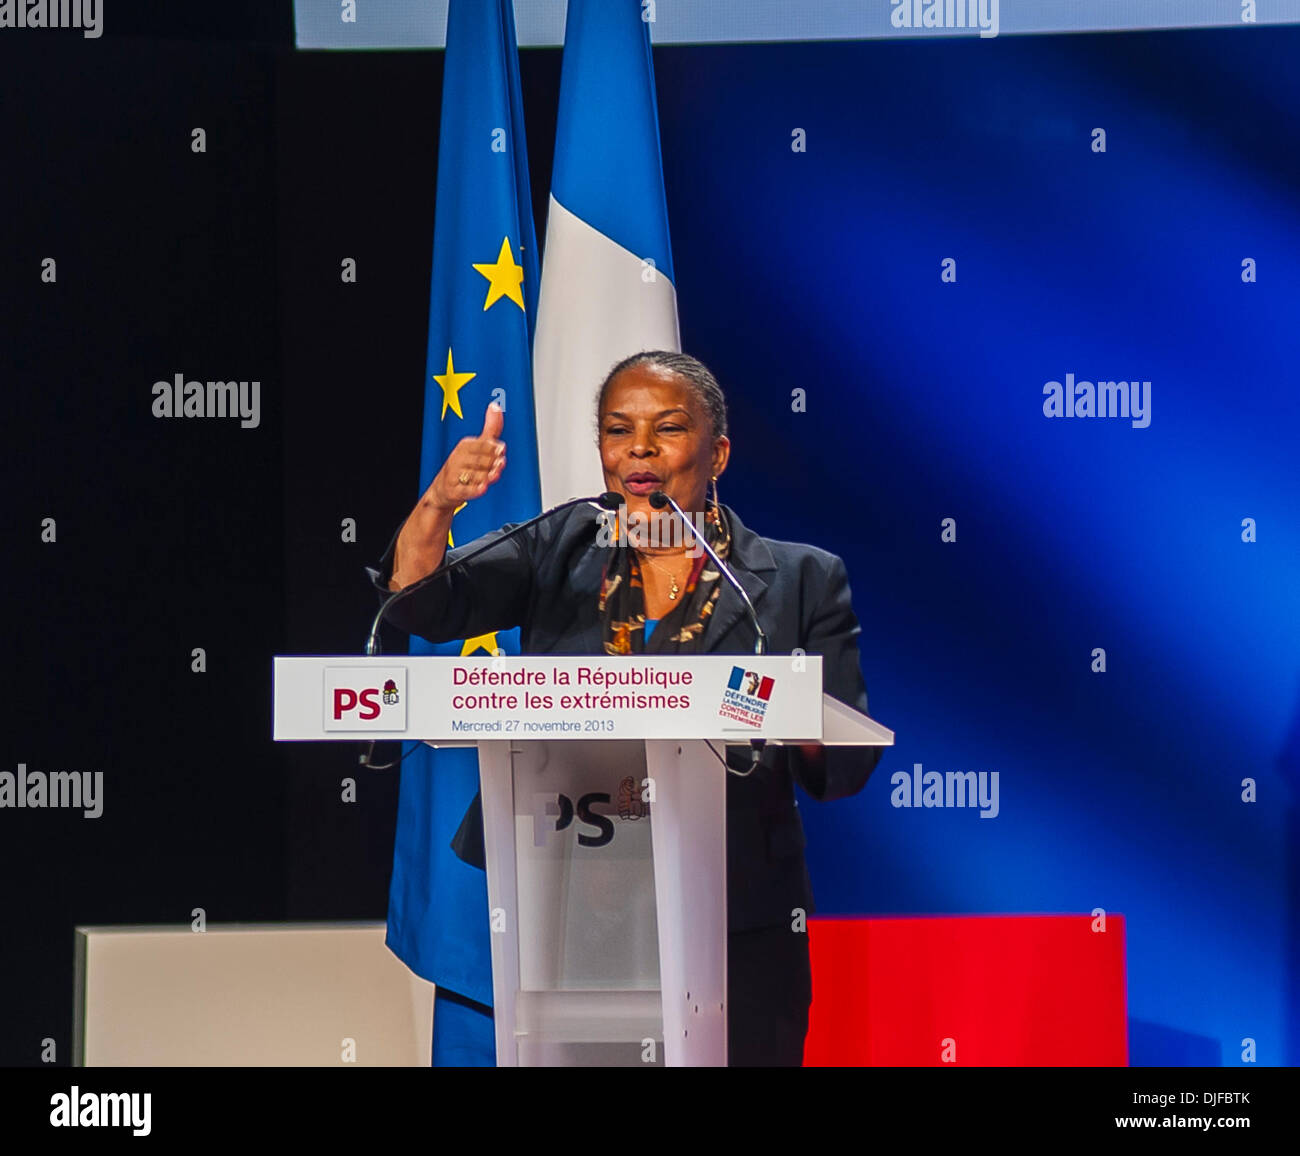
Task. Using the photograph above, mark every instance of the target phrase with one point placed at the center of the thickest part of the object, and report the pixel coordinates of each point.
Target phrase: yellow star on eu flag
(486, 642)
(451, 542)
(451, 383)
(505, 278)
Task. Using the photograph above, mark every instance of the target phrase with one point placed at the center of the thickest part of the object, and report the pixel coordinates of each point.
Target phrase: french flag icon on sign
(750, 683)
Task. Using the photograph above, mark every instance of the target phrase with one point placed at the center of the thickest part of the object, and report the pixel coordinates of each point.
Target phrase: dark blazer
(546, 580)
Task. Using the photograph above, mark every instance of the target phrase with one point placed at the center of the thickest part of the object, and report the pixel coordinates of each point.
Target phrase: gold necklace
(672, 594)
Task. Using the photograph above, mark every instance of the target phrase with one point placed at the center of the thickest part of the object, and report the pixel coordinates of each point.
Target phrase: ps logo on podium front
(556, 813)
(365, 698)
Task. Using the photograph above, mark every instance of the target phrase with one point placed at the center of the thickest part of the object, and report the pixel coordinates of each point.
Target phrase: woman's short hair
(695, 373)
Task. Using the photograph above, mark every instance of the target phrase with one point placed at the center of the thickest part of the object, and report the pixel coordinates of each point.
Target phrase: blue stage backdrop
(944, 238)
(919, 236)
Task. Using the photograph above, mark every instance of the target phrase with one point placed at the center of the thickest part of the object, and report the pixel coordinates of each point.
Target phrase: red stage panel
(1023, 990)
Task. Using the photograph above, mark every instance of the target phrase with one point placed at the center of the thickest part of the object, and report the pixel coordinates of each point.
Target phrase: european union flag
(481, 308)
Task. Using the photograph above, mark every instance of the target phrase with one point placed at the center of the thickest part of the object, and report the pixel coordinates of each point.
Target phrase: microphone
(606, 501)
(658, 499)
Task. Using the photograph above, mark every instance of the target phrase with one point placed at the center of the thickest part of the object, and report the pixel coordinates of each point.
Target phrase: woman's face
(655, 435)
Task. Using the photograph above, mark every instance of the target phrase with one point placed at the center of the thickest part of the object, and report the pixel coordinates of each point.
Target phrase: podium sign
(736, 698)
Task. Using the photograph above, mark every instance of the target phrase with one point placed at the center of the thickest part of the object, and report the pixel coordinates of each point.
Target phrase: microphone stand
(659, 499)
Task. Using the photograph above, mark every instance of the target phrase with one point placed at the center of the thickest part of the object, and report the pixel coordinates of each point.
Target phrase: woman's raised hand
(472, 466)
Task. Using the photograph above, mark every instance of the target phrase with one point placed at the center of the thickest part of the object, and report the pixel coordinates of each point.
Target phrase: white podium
(604, 810)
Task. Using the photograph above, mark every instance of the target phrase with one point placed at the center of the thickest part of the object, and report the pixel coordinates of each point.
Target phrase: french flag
(607, 271)
(740, 679)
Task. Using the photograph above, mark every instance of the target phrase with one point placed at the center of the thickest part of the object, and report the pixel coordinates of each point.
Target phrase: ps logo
(347, 699)
(365, 698)
(560, 808)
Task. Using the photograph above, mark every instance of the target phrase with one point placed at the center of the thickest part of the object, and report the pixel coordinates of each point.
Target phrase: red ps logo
(346, 699)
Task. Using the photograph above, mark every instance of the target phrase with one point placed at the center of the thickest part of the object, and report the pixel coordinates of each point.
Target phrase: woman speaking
(662, 425)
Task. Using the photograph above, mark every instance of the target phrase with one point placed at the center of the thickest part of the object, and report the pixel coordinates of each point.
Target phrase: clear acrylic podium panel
(588, 945)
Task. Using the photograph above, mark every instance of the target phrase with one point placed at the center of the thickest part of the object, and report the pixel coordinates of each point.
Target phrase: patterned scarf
(622, 598)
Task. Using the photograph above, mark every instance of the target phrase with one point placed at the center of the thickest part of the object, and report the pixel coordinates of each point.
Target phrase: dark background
(1120, 791)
